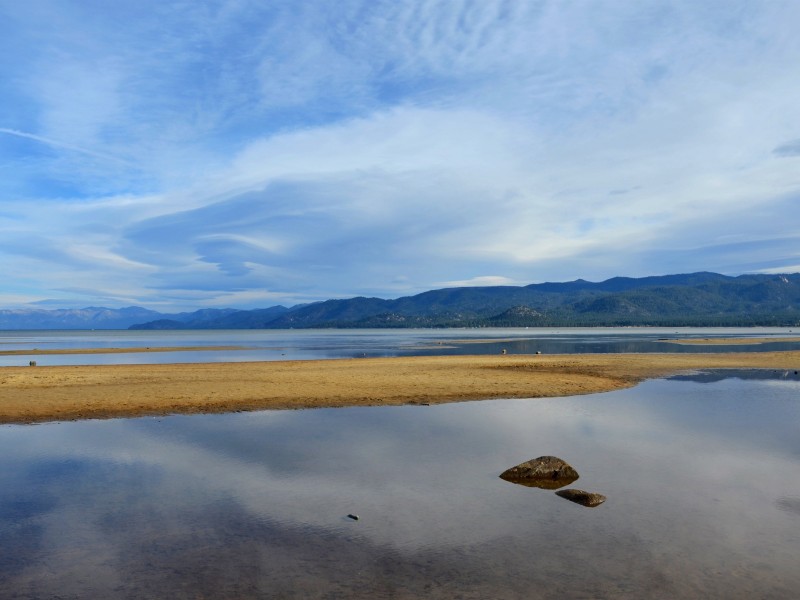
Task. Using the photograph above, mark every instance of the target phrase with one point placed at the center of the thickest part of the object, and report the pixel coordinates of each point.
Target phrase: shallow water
(260, 345)
(702, 480)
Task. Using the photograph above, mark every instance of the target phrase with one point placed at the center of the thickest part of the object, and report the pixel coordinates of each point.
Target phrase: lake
(260, 345)
(701, 472)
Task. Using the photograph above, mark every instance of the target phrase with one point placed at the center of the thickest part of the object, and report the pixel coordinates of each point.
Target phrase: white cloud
(59, 144)
(482, 280)
(305, 150)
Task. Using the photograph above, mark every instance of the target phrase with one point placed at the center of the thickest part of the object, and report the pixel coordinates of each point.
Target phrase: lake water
(702, 475)
(260, 345)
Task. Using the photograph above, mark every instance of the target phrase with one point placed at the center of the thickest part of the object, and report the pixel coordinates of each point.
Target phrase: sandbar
(55, 393)
(723, 341)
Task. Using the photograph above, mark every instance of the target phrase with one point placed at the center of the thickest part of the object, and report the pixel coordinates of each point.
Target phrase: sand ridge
(35, 394)
(723, 341)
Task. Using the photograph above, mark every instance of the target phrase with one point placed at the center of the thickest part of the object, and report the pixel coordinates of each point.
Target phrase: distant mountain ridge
(93, 317)
(232, 319)
(694, 299)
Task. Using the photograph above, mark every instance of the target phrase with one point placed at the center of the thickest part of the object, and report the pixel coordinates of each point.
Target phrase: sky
(193, 154)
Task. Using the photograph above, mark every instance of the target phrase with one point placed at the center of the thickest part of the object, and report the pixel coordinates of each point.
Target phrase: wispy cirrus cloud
(241, 150)
(61, 145)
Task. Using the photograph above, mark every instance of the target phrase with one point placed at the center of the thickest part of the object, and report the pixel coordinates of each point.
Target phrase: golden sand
(31, 394)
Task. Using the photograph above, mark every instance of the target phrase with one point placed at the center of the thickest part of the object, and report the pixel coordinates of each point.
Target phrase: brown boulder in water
(589, 499)
(546, 472)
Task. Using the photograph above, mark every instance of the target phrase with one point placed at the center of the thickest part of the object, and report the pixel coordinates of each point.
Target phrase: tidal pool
(702, 475)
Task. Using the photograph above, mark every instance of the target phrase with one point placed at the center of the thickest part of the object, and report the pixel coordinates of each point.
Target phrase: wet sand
(36, 394)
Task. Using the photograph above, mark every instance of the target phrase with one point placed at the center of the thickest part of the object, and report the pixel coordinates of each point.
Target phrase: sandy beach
(37, 394)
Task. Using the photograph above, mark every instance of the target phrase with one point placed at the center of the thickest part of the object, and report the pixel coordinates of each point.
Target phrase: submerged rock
(546, 472)
(589, 499)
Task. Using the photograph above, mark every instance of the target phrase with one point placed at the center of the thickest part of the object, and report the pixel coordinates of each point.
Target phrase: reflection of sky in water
(262, 345)
(703, 482)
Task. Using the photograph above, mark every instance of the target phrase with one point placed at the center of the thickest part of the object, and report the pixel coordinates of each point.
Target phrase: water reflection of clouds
(685, 466)
(790, 504)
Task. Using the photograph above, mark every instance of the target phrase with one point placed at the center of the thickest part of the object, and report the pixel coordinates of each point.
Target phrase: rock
(589, 499)
(546, 472)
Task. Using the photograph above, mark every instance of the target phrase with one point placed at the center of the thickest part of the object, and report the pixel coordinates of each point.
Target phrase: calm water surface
(702, 476)
(258, 345)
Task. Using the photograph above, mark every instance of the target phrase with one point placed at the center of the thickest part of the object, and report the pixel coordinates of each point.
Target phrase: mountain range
(695, 299)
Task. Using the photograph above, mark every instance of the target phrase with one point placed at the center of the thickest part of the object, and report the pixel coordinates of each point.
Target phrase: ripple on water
(789, 504)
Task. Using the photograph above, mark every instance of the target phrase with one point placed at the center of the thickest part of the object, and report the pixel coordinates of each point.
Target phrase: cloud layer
(238, 153)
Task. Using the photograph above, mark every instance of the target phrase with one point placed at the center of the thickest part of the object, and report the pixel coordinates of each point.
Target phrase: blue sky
(188, 154)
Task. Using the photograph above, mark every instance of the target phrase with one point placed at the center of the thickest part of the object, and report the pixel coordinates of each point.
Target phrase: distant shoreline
(724, 341)
(706, 341)
(55, 393)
